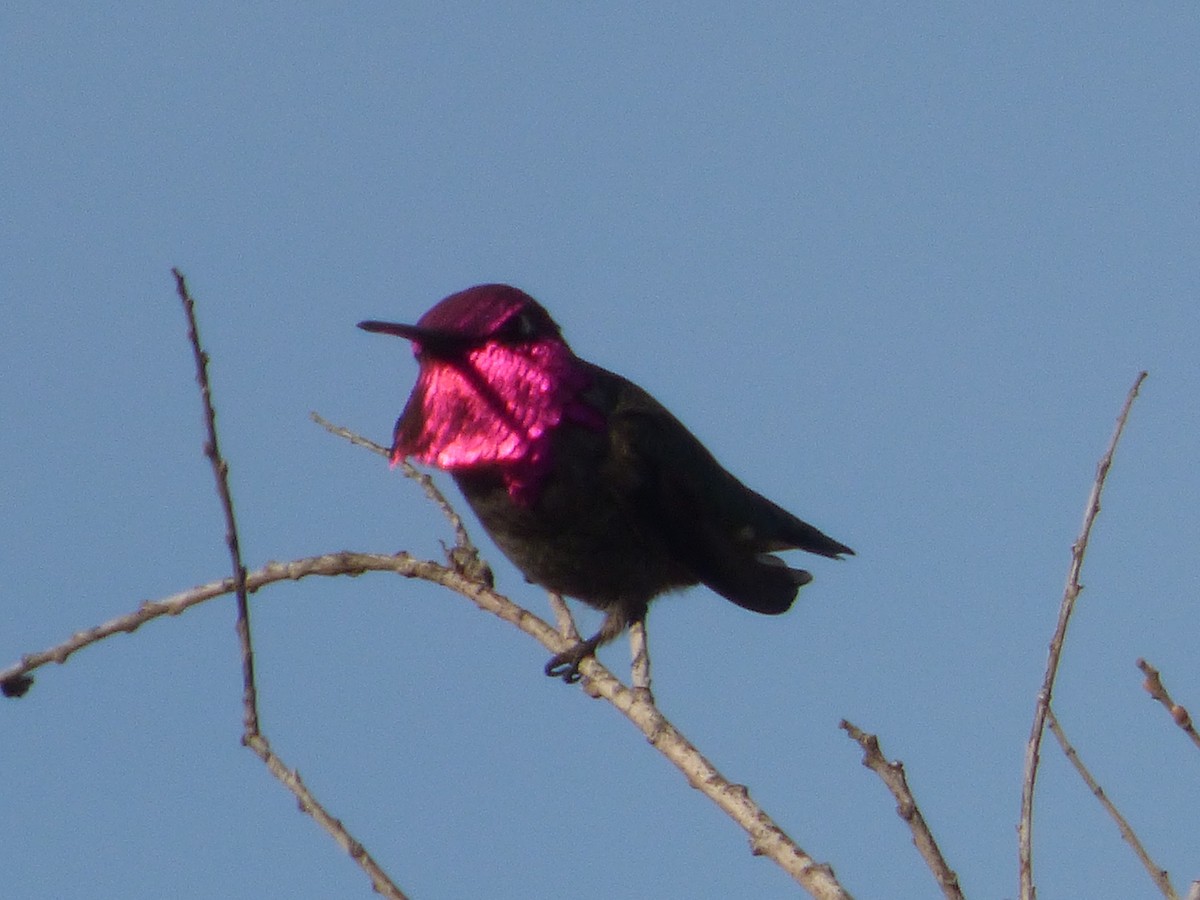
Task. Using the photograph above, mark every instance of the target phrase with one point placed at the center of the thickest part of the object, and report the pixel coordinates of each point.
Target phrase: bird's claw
(565, 665)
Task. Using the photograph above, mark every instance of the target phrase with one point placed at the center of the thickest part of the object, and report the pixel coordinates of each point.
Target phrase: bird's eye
(520, 327)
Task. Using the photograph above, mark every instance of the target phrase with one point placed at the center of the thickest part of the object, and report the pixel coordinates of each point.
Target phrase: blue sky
(897, 267)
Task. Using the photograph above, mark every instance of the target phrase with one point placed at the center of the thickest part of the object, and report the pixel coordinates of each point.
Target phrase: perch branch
(766, 838)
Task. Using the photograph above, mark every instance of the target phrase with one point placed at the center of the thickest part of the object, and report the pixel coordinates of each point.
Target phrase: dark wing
(713, 524)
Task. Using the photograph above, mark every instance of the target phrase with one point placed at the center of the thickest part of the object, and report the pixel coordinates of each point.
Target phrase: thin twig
(461, 538)
(220, 469)
(356, 439)
(1070, 593)
(893, 777)
(1160, 876)
(1156, 689)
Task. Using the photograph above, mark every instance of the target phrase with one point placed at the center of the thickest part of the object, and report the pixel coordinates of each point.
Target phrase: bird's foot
(565, 665)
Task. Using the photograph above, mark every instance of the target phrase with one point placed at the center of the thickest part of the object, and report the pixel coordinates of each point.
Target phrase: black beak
(427, 339)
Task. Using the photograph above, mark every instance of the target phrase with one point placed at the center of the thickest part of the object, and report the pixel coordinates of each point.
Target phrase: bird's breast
(574, 535)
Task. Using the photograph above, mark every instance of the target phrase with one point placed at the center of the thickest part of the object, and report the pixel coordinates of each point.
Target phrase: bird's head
(496, 378)
(472, 319)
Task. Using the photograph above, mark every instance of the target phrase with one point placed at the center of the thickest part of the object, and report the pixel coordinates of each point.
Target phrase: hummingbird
(583, 480)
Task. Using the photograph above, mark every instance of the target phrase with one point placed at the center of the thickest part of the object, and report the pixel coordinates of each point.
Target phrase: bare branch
(1155, 688)
(893, 777)
(330, 565)
(766, 838)
(1160, 876)
(220, 467)
(1070, 593)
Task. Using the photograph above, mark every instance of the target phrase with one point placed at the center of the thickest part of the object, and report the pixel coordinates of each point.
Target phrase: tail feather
(762, 584)
(802, 536)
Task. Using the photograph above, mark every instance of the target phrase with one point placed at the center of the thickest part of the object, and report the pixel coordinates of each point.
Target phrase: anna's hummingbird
(586, 482)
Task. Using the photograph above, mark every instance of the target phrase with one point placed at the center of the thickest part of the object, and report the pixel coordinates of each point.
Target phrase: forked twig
(1160, 876)
(893, 777)
(1070, 594)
